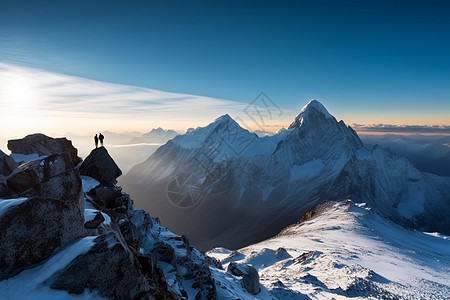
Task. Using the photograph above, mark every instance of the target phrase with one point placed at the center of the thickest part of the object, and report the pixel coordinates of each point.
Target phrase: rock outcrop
(34, 229)
(47, 216)
(110, 269)
(116, 251)
(146, 239)
(100, 166)
(44, 145)
(107, 196)
(31, 174)
(250, 277)
(7, 164)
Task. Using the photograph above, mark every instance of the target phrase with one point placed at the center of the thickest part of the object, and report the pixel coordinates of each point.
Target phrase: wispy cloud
(434, 129)
(61, 93)
(59, 103)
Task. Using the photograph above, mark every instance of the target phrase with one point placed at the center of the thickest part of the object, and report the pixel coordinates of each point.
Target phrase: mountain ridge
(262, 185)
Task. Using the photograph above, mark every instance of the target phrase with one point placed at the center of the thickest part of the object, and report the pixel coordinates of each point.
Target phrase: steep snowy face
(224, 134)
(224, 186)
(317, 134)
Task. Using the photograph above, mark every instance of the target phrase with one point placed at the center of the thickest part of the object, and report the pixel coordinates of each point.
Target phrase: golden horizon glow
(34, 101)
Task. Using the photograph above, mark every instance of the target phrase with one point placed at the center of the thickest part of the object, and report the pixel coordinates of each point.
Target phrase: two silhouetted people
(99, 138)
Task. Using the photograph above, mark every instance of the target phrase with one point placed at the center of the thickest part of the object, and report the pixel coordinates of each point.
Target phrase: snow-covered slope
(224, 186)
(348, 250)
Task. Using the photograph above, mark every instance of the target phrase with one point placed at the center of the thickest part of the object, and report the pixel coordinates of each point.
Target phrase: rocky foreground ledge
(66, 225)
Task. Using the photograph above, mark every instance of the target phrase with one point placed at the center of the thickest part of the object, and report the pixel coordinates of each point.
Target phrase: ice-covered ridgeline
(233, 188)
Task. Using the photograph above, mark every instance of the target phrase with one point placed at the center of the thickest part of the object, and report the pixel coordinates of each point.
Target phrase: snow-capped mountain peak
(315, 104)
(223, 129)
(318, 158)
(224, 118)
(311, 112)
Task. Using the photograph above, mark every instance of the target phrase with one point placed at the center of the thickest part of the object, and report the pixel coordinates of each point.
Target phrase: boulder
(44, 145)
(51, 217)
(34, 229)
(100, 166)
(250, 277)
(7, 164)
(106, 196)
(30, 174)
(110, 269)
(62, 187)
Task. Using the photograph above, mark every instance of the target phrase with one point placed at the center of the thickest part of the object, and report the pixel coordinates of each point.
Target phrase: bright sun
(18, 93)
(17, 100)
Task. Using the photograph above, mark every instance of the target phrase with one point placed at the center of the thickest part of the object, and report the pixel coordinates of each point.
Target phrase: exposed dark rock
(3, 186)
(126, 228)
(35, 229)
(94, 223)
(107, 196)
(110, 269)
(174, 250)
(100, 166)
(281, 253)
(164, 252)
(26, 176)
(30, 174)
(303, 257)
(214, 262)
(122, 264)
(250, 277)
(51, 218)
(201, 277)
(44, 145)
(7, 164)
(64, 186)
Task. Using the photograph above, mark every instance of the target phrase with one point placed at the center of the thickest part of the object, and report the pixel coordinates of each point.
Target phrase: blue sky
(367, 61)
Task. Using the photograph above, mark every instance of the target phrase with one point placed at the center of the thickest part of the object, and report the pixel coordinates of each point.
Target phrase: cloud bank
(389, 128)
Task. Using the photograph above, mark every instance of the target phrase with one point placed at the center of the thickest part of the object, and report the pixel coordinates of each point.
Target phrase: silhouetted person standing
(96, 141)
(101, 138)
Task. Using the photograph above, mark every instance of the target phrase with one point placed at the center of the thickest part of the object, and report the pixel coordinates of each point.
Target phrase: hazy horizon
(55, 104)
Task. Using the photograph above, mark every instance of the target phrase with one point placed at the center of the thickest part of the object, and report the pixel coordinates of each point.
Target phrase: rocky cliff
(82, 235)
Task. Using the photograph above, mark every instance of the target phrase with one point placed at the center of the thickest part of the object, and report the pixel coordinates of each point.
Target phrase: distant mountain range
(428, 153)
(156, 135)
(224, 186)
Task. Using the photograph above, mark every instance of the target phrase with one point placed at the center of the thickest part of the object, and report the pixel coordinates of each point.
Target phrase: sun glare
(17, 100)
(18, 93)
